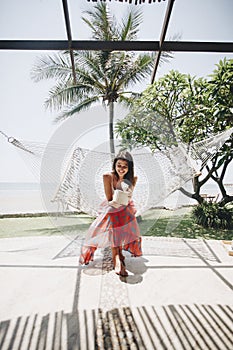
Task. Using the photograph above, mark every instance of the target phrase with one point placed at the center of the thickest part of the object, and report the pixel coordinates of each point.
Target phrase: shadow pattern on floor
(176, 327)
(157, 246)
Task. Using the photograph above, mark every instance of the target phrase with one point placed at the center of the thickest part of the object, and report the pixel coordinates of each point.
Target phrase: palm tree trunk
(111, 133)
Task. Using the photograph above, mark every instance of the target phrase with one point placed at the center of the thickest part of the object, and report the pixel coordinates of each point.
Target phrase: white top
(120, 197)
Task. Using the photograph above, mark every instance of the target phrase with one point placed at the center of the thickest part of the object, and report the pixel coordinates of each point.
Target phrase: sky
(23, 114)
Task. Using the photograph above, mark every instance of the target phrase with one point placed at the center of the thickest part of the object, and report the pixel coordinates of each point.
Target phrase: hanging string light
(131, 1)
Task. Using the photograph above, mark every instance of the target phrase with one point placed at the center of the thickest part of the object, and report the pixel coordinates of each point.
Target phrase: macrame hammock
(73, 178)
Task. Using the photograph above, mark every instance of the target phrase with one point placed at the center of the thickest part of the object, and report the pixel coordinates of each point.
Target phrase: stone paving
(177, 296)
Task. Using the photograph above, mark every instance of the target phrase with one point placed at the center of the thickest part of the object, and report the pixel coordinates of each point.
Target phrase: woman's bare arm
(131, 188)
(107, 179)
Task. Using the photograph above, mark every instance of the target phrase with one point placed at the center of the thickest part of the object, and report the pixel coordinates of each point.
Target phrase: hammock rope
(73, 177)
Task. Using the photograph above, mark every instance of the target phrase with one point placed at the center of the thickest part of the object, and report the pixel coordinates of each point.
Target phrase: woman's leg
(118, 266)
(122, 258)
(115, 258)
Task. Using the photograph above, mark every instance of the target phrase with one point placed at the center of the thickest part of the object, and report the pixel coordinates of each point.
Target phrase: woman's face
(121, 167)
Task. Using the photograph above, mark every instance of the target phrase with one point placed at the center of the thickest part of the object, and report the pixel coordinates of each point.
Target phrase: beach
(22, 198)
(17, 198)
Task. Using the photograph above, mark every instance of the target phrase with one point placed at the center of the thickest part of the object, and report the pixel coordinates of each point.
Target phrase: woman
(116, 226)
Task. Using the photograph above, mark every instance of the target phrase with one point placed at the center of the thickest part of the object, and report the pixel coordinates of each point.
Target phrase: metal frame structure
(153, 46)
(162, 37)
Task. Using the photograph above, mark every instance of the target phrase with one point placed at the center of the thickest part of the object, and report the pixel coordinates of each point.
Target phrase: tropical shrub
(213, 215)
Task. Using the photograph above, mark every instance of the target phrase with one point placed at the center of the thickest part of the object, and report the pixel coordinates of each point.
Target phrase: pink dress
(115, 228)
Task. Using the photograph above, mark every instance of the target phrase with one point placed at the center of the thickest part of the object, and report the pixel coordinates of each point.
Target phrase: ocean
(16, 198)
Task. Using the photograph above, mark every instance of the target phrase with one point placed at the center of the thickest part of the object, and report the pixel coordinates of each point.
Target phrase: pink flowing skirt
(114, 228)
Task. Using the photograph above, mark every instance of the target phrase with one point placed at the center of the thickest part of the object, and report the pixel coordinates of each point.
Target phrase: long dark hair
(129, 177)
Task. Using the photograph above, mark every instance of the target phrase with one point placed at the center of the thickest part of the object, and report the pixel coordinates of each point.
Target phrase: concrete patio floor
(177, 296)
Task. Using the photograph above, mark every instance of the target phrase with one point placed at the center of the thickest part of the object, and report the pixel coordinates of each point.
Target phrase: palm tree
(100, 75)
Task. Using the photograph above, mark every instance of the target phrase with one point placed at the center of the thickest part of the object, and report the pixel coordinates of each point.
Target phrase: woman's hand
(129, 192)
(114, 204)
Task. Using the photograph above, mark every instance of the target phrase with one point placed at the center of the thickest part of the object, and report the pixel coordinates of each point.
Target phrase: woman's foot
(122, 272)
(119, 267)
(122, 258)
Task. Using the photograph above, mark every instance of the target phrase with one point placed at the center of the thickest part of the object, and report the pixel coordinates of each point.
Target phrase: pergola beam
(60, 45)
(197, 46)
(69, 36)
(162, 37)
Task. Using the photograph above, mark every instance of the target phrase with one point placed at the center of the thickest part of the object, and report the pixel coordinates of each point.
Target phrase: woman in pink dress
(116, 225)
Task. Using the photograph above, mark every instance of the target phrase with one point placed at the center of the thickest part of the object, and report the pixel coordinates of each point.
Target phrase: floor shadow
(157, 246)
(102, 265)
(65, 229)
(96, 268)
(136, 267)
(175, 327)
(178, 247)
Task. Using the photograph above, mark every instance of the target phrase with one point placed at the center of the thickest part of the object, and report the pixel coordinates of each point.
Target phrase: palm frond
(101, 22)
(62, 95)
(130, 25)
(95, 59)
(76, 108)
(92, 63)
(165, 57)
(135, 70)
(90, 79)
(57, 66)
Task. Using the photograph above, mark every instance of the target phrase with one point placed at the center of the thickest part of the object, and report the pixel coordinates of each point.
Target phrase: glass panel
(22, 100)
(23, 116)
(195, 64)
(27, 19)
(198, 20)
(193, 20)
(153, 16)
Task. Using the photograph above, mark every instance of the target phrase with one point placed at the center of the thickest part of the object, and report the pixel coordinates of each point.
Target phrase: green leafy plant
(188, 109)
(213, 215)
